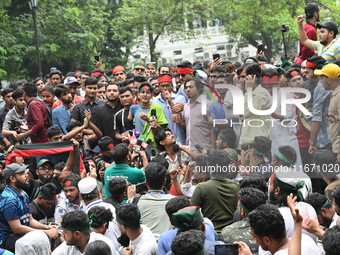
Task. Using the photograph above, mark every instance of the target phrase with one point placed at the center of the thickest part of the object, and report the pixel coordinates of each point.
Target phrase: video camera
(284, 28)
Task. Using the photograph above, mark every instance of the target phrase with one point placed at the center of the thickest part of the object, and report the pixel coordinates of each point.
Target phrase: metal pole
(284, 44)
(34, 12)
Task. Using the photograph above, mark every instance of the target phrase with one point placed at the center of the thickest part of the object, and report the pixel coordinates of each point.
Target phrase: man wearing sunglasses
(171, 103)
(118, 74)
(139, 68)
(184, 71)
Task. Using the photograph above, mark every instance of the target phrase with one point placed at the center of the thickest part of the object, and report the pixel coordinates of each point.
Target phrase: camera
(284, 28)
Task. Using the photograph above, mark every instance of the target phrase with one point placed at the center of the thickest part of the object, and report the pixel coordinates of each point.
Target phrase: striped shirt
(330, 53)
(13, 206)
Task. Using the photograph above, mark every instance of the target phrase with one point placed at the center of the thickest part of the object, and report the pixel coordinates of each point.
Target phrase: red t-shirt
(306, 52)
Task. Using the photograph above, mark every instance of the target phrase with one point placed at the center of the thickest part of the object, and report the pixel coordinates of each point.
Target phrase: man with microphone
(171, 103)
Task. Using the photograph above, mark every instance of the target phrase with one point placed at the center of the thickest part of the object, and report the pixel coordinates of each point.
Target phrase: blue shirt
(13, 206)
(181, 92)
(321, 102)
(217, 112)
(176, 129)
(61, 117)
(136, 110)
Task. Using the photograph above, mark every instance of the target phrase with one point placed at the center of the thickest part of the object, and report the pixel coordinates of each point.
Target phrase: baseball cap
(330, 70)
(139, 63)
(87, 185)
(330, 25)
(14, 168)
(70, 80)
(43, 161)
(117, 69)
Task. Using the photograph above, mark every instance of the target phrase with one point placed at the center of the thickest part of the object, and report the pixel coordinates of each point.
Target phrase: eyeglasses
(46, 168)
(165, 86)
(139, 69)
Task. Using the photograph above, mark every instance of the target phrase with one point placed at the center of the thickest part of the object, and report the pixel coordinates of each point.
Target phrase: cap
(96, 149)
(330, 70)
(151, 64)
(14, 168)
(117, 69)
(87, 185)
(43, 161)
(139, 63)
(70, 80)
(330, 25)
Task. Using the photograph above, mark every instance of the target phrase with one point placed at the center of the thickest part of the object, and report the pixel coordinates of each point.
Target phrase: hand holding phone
(226, 249)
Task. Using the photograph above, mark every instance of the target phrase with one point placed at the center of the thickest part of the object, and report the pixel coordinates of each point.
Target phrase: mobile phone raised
(226, 249)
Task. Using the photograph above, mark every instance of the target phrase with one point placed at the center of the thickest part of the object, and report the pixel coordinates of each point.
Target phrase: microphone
(132, 139)
(176, 149)
(153, 118)
(199, 148)
(167, 102)
(143, 145)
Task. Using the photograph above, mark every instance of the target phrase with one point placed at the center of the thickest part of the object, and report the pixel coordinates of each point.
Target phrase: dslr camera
(284, 28)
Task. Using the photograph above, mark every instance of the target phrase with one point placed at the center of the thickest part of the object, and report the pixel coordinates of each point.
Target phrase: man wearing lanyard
(171, 103)
(151, 205)
(91, 196)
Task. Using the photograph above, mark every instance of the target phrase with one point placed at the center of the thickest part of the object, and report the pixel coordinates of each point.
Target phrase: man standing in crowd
(37, 116)
(327, 47)
(312, 12)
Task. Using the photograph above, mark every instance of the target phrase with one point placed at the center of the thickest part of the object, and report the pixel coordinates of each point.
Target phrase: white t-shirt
(64, 249)
(145, 244)
(113, 231)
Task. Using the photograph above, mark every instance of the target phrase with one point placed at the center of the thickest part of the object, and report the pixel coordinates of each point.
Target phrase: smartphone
(226, 249)
(96, 58)
(260, 47)
(216, 56)
(330, 116)
(141, 187)
(87, 166)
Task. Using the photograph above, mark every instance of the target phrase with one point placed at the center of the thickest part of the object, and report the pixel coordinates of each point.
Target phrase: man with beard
(72, 84)
(91, 102)
(325, 209)
(62, 114)
(184, 71)
(122, 124)
(327, 47)
(118, 74)
(104, 119)
(72, 202)
(312, 12)
(15, 216)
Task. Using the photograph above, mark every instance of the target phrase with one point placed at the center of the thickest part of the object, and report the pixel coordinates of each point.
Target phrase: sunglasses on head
(139, 69)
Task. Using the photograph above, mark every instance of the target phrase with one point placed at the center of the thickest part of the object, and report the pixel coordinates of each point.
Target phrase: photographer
(15, 121)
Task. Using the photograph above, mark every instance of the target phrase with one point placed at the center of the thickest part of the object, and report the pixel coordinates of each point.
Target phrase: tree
(146, 20)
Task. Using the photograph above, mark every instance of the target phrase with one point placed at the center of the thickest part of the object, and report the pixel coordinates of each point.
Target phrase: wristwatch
(311, 143)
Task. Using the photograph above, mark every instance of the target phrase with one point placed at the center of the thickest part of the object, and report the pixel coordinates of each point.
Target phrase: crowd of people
(168, 161)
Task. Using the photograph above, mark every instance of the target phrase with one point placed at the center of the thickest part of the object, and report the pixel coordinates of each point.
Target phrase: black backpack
(49, 114)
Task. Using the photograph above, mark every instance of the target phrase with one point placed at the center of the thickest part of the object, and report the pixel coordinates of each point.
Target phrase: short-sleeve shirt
(329, 53)
(13, 206)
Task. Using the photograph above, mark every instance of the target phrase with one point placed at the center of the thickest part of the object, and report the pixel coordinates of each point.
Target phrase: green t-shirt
(131, 174)
(218, 200)
(161, 120)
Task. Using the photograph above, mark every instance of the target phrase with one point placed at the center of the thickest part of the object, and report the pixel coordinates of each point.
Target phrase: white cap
(87, 185)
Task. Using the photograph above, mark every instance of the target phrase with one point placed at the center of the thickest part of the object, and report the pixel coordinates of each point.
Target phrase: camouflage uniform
(239, 231)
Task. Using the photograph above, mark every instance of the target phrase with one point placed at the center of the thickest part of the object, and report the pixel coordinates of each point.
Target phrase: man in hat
(139, 67)
(72, 83)
(90, 193)
(15, 216)
(171, 103)
(330, 80)
(312, 12)
(151, 66)
(327, 47)
(118, 74)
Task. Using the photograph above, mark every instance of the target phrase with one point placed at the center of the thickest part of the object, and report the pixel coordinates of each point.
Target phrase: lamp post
(33, 5)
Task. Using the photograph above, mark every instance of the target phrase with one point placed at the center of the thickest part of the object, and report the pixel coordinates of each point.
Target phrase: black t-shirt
(38, 213)
(121, 121)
